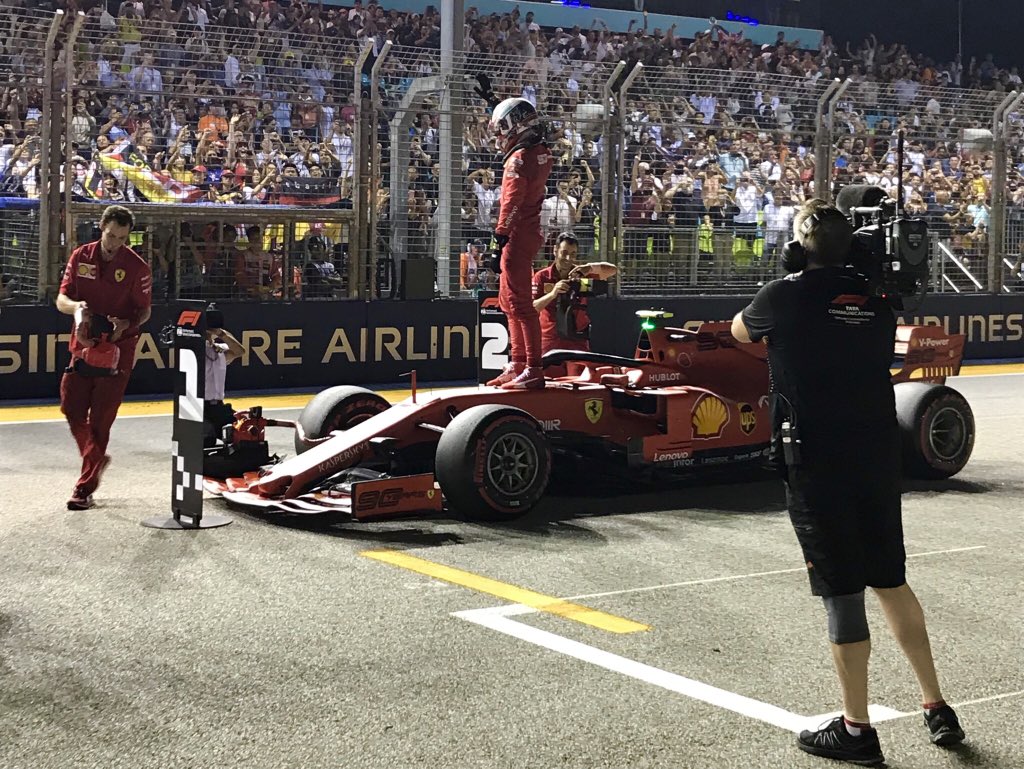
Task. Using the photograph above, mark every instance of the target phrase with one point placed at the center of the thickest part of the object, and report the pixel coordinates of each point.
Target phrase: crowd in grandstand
(223, 102)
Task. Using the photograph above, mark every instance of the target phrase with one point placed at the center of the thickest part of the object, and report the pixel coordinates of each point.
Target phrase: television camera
(889, 249)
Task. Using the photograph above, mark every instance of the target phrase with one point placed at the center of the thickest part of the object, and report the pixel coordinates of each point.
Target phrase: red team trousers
(515, 296)
(90, 405)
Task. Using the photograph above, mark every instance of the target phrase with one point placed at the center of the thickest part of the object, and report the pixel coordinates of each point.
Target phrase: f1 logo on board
(189, 318)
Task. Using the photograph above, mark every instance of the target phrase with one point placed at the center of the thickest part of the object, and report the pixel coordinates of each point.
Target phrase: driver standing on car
(553, 281)
(527, 165)
(835, 437)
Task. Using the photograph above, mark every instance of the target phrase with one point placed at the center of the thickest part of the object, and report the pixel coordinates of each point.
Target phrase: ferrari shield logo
(119, 275)
(594, 409)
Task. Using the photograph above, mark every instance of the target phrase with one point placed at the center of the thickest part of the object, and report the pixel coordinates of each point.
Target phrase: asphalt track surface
(688, 638)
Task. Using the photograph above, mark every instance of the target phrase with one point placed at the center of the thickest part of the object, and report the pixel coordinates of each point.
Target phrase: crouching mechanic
(836, 440)
(554, 281)
(518, 234)
(106, 282)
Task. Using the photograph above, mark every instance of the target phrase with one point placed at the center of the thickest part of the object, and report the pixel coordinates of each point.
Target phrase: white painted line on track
(880, 713)
(876, 713)
(735, 577)
(499, 618)
(737, 703)
(168, 415)
(989, 699)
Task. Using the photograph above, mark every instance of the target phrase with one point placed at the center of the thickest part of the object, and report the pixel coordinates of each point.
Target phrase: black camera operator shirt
(829, 351)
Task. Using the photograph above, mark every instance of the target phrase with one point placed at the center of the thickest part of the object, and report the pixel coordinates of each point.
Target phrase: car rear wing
(927, 354)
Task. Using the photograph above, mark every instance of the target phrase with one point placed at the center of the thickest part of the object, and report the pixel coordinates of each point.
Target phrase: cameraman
(553, 281)
(829, 350)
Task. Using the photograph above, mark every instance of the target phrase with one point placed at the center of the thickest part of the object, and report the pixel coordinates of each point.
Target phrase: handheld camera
(571, 303)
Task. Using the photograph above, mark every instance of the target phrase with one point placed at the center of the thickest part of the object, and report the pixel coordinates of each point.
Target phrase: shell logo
(710, 416)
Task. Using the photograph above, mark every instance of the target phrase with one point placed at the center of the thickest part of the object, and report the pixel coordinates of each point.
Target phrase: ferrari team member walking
(835, 435)
(527, 165)
(105, 284)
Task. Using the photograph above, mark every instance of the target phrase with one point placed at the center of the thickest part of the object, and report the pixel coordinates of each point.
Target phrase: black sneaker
(833, 741)
(944, 726)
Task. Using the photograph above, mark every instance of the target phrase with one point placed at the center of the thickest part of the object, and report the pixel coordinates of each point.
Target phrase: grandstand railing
(353, 121)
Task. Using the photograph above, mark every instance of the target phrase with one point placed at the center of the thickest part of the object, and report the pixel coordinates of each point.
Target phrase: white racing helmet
(512, 120)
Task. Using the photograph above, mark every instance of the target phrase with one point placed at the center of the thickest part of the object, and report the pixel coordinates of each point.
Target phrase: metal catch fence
(713, 165)
(370, 172)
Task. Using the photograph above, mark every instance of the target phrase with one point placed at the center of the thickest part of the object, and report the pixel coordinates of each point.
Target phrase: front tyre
(493, 463)
(936, 428)
(337, 408)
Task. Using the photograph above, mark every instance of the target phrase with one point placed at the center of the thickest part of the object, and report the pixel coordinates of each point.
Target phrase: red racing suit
(523, 189)
(120, 288)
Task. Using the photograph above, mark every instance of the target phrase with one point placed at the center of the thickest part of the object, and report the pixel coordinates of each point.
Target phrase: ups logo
(748, 418)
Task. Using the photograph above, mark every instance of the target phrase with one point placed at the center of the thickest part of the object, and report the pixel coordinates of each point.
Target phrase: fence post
(376, 177)
(447, 217)
(360, 246)
(611, 140)
(69, 110)
(398, 185)
(823, 141)
(49, 189)
(997, 214)
(620, 186)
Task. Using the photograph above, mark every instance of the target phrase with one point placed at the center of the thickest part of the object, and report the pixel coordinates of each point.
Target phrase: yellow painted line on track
(158, 408)
(503, 590)
(996, 368)
(166, 407)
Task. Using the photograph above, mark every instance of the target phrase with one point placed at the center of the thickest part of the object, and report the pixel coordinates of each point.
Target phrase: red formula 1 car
(688, 400)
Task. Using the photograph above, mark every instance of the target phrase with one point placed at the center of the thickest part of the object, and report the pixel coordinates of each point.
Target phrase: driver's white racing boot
(510, 372)
(531, 378)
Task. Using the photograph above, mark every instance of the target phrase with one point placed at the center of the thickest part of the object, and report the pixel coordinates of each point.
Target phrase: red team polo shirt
(543, 281)
(120, 288)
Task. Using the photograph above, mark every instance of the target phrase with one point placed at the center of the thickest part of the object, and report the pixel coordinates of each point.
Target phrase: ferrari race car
(688, 400)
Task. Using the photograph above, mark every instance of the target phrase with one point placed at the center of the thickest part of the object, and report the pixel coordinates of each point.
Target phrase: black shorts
(849, 521)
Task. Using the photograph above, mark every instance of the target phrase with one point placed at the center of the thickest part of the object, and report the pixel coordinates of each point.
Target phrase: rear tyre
(937, 430)
(493, 463)
(337, 408)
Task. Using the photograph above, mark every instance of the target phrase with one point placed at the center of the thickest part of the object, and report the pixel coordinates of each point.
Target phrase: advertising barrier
(310, 345)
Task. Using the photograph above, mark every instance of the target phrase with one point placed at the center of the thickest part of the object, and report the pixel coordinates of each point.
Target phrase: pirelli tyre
(336, 408)
(937, 429)
(493, 463)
